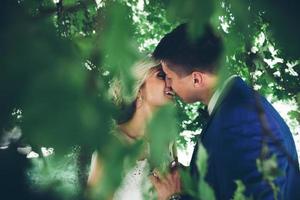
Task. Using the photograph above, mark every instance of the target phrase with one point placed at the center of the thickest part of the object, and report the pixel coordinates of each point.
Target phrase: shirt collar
(212, 102)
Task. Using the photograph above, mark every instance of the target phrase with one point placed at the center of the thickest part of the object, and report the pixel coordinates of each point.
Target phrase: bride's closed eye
(161, 75)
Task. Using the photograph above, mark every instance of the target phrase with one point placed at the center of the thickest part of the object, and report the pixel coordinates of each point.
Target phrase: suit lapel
(219, 102)
(193, 164)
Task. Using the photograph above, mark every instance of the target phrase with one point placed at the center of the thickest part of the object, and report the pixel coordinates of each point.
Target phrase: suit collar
(230, 85)
(218, 93)
(233, 84)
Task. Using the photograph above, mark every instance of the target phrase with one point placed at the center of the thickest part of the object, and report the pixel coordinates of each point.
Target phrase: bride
(151, 93)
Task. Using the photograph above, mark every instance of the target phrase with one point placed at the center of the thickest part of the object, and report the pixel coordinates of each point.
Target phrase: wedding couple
(240, 122)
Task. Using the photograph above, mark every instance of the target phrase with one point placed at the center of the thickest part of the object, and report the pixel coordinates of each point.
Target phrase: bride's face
(154, 91)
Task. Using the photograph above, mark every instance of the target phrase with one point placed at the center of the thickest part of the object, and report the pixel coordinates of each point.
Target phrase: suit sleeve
(239, 150)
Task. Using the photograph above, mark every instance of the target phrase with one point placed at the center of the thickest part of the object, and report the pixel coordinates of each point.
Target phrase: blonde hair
(140, 72)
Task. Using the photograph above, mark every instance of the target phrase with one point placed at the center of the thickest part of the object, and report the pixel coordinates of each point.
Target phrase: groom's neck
(209, 89)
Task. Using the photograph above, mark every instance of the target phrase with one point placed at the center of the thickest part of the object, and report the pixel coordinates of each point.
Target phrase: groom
(240, 122)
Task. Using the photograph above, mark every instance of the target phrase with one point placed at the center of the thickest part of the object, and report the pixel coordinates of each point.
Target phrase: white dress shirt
(212, 102)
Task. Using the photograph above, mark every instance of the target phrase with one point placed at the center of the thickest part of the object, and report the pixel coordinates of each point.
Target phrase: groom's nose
(168, 87)
(168, 82)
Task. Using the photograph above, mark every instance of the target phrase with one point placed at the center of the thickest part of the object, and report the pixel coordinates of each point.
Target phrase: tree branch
(46, 12)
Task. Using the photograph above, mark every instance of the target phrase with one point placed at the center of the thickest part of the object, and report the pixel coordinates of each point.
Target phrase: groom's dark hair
(186, 54)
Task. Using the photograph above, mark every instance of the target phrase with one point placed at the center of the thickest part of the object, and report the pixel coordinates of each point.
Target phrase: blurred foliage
(117, 159)
(51, 169)
(160, 136)
(205, 191)
(268, 167)
(57, 58)
(239, 193)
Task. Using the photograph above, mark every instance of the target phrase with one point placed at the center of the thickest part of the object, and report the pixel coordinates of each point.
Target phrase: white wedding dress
(135, 184)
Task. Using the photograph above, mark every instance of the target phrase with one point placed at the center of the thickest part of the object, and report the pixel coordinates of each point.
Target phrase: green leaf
(239, 192)
(269, 168)
(118, 47)
(205, 190)
(162, 131)
(197, 12)
(202, 160)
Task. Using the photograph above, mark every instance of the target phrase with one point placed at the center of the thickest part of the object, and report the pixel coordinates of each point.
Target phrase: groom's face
(181, 85)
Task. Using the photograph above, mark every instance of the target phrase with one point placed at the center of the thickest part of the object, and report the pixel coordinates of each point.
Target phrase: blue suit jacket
(233, 140)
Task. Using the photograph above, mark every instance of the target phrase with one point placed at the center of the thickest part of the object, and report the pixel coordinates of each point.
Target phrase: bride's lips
(169, 93)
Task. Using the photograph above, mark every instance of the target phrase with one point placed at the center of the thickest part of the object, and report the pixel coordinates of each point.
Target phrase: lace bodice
(135, 184)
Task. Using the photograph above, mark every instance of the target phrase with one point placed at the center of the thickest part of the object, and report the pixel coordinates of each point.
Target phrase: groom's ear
(197, 79)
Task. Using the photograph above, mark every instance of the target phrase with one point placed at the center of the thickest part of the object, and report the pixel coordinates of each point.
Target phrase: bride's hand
(167, 185)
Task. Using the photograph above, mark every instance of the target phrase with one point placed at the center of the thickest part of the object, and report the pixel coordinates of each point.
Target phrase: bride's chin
(170, 97)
